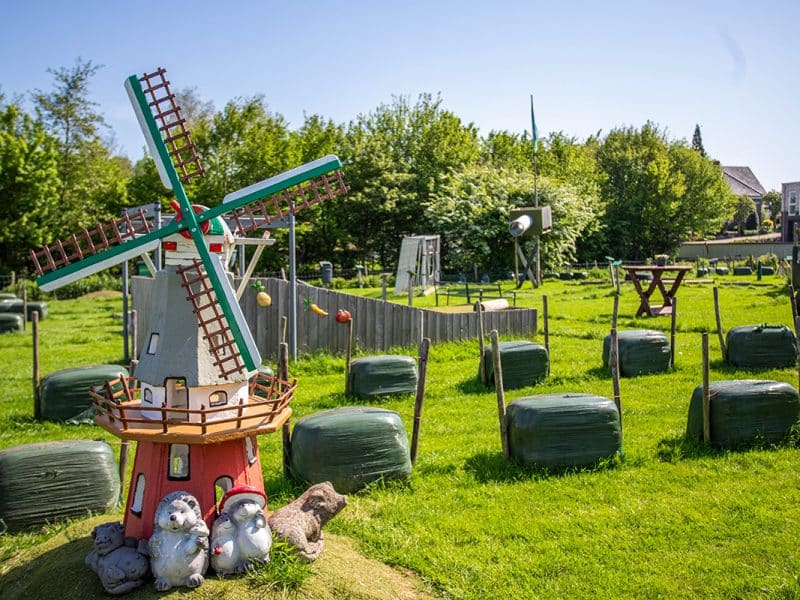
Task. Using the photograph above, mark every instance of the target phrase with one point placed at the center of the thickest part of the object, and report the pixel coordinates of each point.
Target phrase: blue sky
(733, 67)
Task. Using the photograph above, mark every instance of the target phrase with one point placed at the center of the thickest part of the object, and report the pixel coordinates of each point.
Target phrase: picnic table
(656, 283)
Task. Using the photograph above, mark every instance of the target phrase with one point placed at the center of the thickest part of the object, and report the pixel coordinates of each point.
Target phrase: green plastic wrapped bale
(523, 363)
(721, 270)
(744, 411)
(17, 306)
(742, 271)
(374, 376)
(761, 346)
(66, 479)
(10, 322)
(350, 447)
(7, 296)
(580, 275)
(563, 430)
(565, 276)
(767, 270)
(641, 352)
(64, 395)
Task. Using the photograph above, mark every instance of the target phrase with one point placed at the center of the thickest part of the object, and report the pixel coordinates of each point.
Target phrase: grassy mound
(55, 569)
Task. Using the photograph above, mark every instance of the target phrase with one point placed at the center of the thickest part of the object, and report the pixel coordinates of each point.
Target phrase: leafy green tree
(29, 186)
(744, 208)
(773, 201)
(502, 149)
(642, 192)
(471, 213)
(144, 185)
(697, 142)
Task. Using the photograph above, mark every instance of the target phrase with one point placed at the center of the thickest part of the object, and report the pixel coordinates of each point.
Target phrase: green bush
(92, 283)
(769, 260)
(338, 283)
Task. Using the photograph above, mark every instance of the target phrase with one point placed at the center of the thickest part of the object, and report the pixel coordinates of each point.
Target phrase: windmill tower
(198, 405)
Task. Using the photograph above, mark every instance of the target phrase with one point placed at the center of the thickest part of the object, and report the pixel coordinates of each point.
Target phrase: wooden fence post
(719, 326)
(501, 395)
(706, 393)
(348, 357)
(24, 309)
(424, 347)
(672, 333)
(613, 361)
(545, 315)
(37, 400)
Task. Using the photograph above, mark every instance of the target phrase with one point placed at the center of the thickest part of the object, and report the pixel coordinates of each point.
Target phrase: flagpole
(534, 140)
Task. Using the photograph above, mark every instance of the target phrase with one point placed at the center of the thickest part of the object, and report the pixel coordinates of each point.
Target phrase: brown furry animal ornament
(300, 522)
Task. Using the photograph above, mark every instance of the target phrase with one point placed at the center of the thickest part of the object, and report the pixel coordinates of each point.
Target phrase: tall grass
(669, 519)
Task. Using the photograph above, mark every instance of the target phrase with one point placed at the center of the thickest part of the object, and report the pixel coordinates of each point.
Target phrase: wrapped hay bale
(721, 270)
(744, 411)
(523, 363)
(65, 394)
(373, 376)
(761, 346)
(641, 352)
(350, 447)
(767, 270)
(563, 430)
(18, 306)
(7, 296)
(10, 323)
(742, 270)
(66, 479)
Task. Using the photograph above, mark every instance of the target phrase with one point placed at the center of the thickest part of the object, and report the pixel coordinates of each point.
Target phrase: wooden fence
(377, 325)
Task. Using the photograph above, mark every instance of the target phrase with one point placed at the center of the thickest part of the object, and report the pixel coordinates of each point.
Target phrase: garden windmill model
(200, 403)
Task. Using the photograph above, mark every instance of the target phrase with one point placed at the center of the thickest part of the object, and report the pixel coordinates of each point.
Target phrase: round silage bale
(761, 346)
(523, 363)
(744, 411)
(641, 352)
(10, 323)
(65, 394)
(7, 296)
(350, 447)
(563, 430)
(375, 376)
(43, 482)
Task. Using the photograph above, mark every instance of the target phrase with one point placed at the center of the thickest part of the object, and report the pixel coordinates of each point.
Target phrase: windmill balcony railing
(119, 410)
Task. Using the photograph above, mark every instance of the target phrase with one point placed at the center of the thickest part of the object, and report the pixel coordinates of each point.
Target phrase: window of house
(222, 485)
(147, 396)
(138, 496)
(792, 204)
(152, 343)
(252, 448)
(218, 398)
(178, 461)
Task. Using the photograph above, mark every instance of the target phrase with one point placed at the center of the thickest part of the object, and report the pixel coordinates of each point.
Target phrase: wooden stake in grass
(37, 399)
(24, 309)
(613, 362)
(481, 348)
(348, 357)
(501, 395)
(706, 393)
(284, 323)
(283, 375)
(615, 312)
(424, 348)
(793, 301)
(672, 333)
(546, 330)
(719, 326)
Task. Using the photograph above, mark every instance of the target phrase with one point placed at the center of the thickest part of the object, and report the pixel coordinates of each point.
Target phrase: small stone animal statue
(300, 522)
(179, 544)
(115, 559)
(240, 537)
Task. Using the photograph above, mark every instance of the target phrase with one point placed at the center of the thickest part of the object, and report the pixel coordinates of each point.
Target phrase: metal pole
(241, 261)
(292, 290)
(126, 357)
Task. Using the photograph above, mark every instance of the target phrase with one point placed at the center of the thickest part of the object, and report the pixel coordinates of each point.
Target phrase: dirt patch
(56, 569)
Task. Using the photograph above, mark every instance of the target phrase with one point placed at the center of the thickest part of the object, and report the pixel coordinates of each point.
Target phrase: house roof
(742, 182)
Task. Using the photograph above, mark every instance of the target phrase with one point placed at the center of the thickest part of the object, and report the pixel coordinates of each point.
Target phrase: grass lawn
(668, 519)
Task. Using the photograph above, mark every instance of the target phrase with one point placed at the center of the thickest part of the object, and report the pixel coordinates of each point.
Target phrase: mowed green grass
(668, 519)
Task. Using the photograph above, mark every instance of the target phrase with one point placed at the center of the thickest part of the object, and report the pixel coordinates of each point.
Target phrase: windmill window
(178, 467)
(222, 485)
(252, 449)
(147, 396)
(152, 344)
(219, 344)
(218, 398)
(138, 496)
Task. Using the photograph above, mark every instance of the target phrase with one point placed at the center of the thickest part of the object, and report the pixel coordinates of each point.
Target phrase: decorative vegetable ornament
(262, 297)
(314, 308)
(343, 316)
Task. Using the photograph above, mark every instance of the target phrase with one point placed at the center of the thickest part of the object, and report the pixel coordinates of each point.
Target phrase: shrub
(769, 260)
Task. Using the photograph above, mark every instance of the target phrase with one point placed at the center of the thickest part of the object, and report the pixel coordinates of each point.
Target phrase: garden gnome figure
(240, 537)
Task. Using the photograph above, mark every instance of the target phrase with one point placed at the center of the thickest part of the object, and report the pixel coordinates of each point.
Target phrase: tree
(471, 213)
(29, 186)
(744, 208)
(697, 142)
(773, 201)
